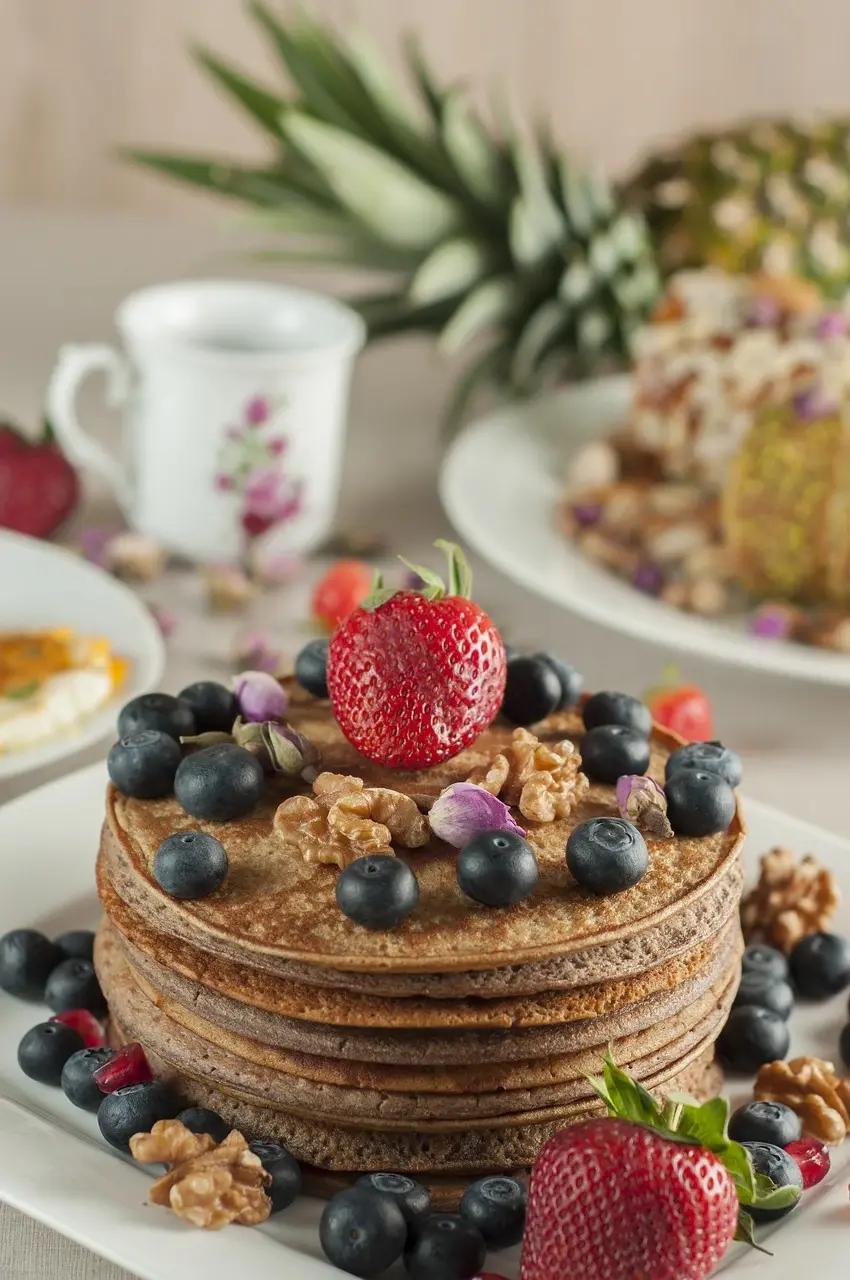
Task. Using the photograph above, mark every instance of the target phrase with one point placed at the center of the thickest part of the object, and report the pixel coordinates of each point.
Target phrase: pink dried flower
(164, 619)
(257, 411)
(464, 809)
(813, 403)
(259, 696)
(832, 324)
(255, 652)
(773, 622)
(642, 801)
(94, 542)
(274, 567)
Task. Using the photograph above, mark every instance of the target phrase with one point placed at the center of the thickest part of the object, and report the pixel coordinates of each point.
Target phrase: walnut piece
(209, 1184)
(810, 1087)
(344, 820)
(542, 780)
(791, 899)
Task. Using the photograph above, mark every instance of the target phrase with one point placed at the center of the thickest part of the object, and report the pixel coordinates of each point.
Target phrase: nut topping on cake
(791, 899)
(209, 1184)
(542, 780)
(810, 1087)
(344, 820)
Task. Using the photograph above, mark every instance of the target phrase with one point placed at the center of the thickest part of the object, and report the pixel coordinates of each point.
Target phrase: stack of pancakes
(451, 1046)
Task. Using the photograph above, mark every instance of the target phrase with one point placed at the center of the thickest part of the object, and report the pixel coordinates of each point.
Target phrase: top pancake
(274, 903)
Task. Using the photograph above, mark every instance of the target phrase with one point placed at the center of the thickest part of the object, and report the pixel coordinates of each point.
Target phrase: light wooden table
(63, 275)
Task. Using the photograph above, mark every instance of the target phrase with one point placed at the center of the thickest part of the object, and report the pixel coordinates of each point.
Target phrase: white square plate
(54, 1165)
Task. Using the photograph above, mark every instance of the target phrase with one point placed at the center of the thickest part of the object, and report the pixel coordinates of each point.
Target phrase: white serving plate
(44, 586)
(501, 483)
(55, 1166)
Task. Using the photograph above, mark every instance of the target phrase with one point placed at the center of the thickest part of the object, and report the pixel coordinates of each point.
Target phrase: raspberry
(129, 1066)
(812, 1158)
(85, 1024)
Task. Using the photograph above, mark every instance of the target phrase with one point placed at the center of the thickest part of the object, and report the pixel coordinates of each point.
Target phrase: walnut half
(810, 1087)
(791, 899)
(208, 1184)
(543, 781)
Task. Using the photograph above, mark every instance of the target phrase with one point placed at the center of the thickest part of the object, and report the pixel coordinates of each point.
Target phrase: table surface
(63, 275)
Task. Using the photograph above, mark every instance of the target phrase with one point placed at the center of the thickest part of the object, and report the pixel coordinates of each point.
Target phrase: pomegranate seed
(85, 1024)
(129, 1066)
(813, 1160)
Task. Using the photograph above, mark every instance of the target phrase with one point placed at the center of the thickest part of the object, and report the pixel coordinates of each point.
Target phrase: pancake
(274, 903)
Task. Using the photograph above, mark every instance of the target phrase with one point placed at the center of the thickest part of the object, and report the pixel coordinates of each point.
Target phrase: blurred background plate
(44, 586)
(501, 483)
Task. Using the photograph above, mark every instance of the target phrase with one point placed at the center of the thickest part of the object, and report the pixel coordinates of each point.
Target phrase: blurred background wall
(79, 76)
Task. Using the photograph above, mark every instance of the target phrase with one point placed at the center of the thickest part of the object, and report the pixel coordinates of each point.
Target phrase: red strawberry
(414, 677)
(38, 486)
(611, 1200)
(345, 585)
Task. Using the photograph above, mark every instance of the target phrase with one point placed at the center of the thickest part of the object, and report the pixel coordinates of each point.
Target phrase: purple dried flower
(279, 748)
(764, 312)
(257, 411)
(259, 696)
(586, 513)
(772, 622)
(94, 543)
(255, 652)
(832, 324)
(648, 577)
(164, 619)
(642, 801)
(464, 809)
(814, 403)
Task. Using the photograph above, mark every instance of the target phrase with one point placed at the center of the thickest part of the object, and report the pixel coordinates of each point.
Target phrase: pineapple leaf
(486, 305)
(535, 340)
(473, 152)
(323, 91)
(393, 312)
(389, 199)
(537, 227)
(452, 268)
(262, 187)
(432, 96)
(262, 105)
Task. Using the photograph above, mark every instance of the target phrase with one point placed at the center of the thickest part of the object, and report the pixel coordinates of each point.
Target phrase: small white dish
(501, 483)
(55, 1166)
(47, 586)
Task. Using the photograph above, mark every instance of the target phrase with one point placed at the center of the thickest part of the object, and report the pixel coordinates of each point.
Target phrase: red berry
(85, 1024)
(687, 711)
(345, 585)
(38, 486)
(609, 1200)
(414, 681)
(812, 1158)
(128, 1066)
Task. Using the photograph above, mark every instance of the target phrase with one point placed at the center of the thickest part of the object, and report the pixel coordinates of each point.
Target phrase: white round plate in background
(45, 586)
(501, 483)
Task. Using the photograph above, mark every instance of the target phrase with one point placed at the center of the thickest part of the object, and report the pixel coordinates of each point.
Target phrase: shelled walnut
(543, 781)
(208, 1184)
(344, 820)
(791, 899)
(810, 1087)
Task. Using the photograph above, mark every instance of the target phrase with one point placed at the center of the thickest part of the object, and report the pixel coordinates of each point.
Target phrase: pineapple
(771, 197)
(482, 236)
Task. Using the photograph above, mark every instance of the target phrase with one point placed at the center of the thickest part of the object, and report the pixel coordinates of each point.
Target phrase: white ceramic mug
(234, 398)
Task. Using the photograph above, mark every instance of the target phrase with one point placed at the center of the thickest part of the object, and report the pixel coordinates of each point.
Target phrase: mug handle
(76, 362)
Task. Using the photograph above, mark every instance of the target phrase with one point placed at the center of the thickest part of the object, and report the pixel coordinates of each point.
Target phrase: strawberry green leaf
(625, 1098)
(746, 1232)
(432, 580)
(376, 598)
(460, 574)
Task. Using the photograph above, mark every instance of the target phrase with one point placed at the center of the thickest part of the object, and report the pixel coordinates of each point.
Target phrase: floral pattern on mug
(250, 464)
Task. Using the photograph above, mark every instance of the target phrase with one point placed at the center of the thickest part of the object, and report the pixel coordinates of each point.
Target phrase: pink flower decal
(250, 465)
(257, 411)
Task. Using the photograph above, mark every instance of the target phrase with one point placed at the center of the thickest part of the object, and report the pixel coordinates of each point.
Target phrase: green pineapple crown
(483, 235)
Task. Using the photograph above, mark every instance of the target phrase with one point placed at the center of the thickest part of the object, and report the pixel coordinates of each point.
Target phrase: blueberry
(219, 783)
(143, 764)
(27, 959)
(73, 984)
(532, 690)
(497, 868)
(765, 1122)
(45, 1049)
(820, 965)
(213, 705)
(190, 864)
(617, 708)
(446, 1247)
(759, 958)
(285, 1173)
(311, 668)
(770, 993)
(606, 855)
(362, 1232)
(496, 1206)
(708, 757)
(844, 1044)
(77, 1077)
(158, 711)
(751, 1037)
(570, 680)
(203, 1120)
(76, 944)
(412, 1198)
(782, 1170)
(135, 1109)
(611, 750)
(377, 891)
(699, 803)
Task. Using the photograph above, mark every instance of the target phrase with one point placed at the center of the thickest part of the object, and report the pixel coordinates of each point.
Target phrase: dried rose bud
(135, 556)
(259, 696)
(832, 324)
(228, 589)
(642, 801)
(255, 651)
(464, 809)
(279, 748)
(773, 622)
(814, 403)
